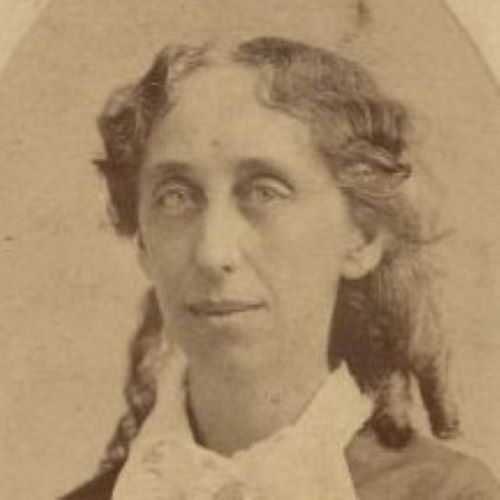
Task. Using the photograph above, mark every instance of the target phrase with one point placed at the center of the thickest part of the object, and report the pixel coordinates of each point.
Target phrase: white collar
(304, 460)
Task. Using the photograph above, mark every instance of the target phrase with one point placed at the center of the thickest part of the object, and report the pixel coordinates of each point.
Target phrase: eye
(265, 191)
(176, 198)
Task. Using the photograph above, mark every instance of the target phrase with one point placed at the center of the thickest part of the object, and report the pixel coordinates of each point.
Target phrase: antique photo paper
(250, 250)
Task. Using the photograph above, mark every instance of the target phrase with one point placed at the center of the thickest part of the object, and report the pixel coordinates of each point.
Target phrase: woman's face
(244, 233)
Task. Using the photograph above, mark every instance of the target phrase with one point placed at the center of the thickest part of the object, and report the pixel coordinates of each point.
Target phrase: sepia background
(69, 287)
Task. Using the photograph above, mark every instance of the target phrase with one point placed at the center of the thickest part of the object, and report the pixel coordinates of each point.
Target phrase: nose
(219, 243)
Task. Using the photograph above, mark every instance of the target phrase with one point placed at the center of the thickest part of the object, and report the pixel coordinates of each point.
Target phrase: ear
(364, 255)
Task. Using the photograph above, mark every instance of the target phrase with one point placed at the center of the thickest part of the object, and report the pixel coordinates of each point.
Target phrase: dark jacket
(423, 470)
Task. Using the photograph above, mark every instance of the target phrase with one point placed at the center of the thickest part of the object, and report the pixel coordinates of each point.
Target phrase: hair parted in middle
(386, 325)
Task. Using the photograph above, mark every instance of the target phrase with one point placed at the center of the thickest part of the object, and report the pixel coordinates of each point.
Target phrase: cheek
(166, 257)
(304, 258)
(312, 240)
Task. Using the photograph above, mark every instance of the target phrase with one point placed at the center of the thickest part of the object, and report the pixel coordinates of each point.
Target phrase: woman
(271, 191)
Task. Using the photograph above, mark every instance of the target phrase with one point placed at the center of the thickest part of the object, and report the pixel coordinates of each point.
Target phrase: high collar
(305, 459)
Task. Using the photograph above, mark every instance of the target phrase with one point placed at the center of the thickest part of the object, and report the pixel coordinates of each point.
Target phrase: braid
(140, 388)
(383, 361)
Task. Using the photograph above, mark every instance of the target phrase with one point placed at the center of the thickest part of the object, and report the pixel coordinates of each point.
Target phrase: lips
(223, 307)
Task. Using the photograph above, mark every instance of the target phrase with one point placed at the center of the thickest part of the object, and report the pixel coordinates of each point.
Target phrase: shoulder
(99, 488)
(423, 469)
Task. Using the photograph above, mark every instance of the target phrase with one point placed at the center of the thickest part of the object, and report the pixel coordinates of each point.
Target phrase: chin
(228, 347)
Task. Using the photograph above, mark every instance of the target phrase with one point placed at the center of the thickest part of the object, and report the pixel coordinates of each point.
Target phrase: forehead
(218, 107)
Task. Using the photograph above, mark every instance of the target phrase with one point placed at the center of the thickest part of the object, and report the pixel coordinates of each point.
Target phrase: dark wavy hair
(385, 325)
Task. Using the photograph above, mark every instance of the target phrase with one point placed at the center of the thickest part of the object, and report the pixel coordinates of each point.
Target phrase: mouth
(223, 308)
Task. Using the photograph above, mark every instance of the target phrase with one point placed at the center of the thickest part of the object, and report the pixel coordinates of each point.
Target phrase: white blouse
(304, 460)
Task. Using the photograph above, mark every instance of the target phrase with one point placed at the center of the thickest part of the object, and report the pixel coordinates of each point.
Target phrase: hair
(386, 325)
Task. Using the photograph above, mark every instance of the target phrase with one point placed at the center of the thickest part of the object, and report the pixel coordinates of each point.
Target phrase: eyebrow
(170, 168)
(252, 167)
(248, 167)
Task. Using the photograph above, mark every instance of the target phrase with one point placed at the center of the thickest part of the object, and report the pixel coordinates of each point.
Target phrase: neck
(232, 410)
